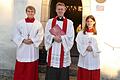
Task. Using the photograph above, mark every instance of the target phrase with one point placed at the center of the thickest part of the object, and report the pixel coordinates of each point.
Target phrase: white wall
(8, 20)
(7, 52)
(109, 30)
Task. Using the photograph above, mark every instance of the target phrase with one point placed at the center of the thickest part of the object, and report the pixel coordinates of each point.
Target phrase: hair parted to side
(94, 26)
(31, 8)
(60, 4)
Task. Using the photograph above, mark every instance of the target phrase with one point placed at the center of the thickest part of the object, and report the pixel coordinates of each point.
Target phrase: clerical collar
(60, 18)
(29, 20)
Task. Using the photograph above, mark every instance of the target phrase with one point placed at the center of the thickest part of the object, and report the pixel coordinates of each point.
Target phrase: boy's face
(30, 13)
(60, 10)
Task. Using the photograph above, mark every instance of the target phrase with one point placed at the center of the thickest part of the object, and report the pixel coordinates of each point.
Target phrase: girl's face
(90, 23)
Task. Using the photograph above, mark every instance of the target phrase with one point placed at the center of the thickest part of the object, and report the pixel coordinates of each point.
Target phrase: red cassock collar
(90, 30)
(29, 20)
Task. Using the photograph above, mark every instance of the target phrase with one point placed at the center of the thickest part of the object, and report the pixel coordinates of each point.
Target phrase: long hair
(94, 26)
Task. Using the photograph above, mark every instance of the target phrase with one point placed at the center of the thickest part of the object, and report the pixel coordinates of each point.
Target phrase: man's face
(30, 13)
(60, 10)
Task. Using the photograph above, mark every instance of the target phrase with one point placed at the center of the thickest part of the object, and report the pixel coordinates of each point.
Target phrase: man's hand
(57, 39)
(27, 41)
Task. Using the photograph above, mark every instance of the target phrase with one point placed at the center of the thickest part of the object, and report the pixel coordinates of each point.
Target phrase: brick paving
(41, 77)
(8, 74)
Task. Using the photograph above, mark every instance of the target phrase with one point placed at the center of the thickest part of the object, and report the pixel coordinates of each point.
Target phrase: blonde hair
(60, 4)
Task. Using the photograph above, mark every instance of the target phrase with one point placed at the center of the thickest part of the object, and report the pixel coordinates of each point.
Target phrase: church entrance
(74, 13)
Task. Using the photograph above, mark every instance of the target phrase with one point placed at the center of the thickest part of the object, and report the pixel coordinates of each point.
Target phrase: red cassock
(85, 74)
(26, 70)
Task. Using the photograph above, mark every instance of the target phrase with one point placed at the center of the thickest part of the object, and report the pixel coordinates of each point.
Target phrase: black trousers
(57, 73)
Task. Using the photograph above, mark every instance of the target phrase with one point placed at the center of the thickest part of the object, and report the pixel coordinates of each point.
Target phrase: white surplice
(88, 60)
(28, 53)
(67, 41)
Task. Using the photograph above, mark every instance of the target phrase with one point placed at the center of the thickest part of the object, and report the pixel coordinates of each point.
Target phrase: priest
(58, 46)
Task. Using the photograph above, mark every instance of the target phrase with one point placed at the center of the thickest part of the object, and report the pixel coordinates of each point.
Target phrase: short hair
(60, 4)
(31, 8)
